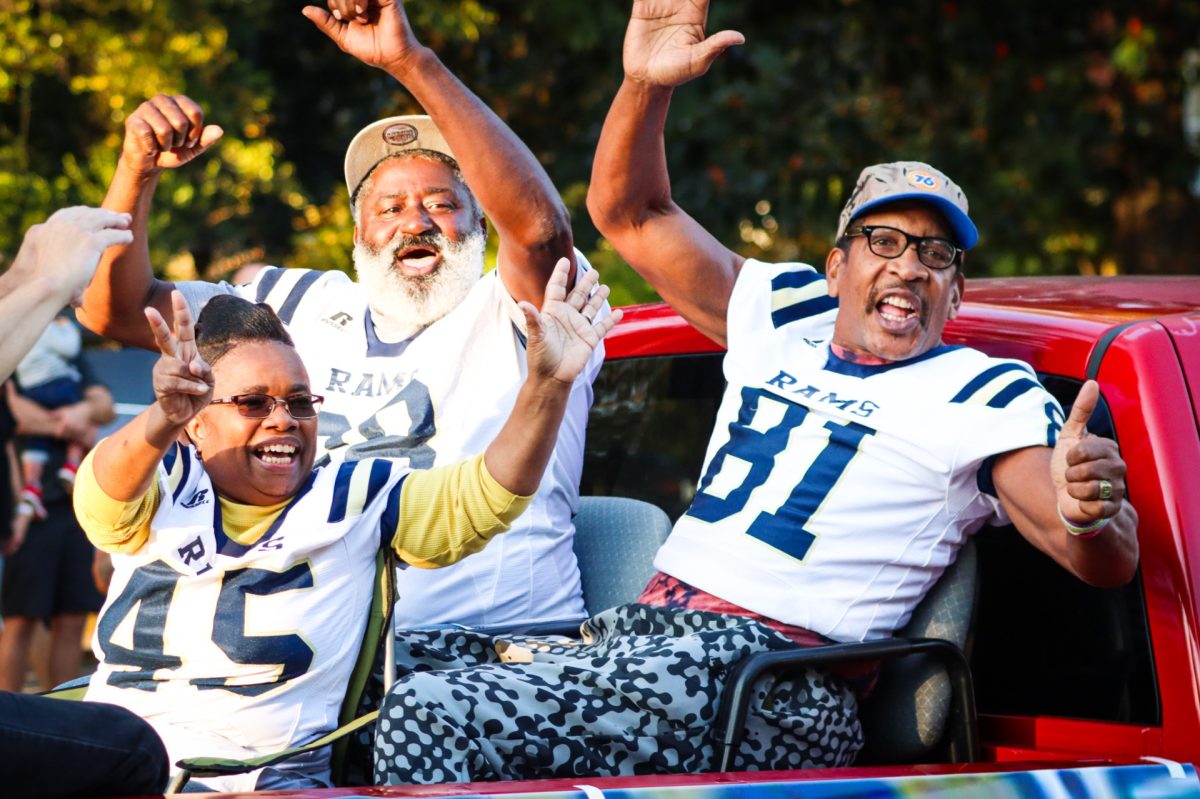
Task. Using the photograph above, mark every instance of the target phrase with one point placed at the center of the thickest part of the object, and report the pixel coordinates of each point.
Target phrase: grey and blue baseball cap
(910, 180)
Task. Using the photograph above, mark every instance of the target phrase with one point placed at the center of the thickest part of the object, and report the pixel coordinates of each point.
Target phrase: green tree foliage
(72, 71)
(1062, 120)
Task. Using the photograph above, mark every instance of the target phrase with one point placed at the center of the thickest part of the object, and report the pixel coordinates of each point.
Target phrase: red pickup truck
(1062, 671)
(1080, 691)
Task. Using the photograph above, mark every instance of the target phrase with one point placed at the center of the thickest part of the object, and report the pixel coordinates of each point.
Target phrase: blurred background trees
(1073, 126)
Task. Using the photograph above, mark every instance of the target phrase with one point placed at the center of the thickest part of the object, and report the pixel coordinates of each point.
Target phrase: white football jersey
(432, 400)
(834, 494)
(237, 651)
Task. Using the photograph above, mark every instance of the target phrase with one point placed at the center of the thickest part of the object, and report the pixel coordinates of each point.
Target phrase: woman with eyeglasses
(243, 575)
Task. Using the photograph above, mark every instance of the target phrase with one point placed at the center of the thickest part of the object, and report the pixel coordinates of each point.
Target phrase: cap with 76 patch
(910, 180)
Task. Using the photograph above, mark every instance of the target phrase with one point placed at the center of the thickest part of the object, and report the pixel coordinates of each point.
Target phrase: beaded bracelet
(1084, 531)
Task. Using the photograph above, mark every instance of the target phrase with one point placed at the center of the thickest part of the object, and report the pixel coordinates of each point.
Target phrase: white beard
(400, 305)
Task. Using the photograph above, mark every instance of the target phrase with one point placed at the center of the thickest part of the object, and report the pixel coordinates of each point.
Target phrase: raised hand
(665, 43)
(183, 382)
(67, 247)
(1086, 468)
(564, 333)
(164, 132)
(375, 32)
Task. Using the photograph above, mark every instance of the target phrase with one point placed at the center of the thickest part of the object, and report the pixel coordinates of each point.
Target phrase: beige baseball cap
(387, 137)
(910, 180)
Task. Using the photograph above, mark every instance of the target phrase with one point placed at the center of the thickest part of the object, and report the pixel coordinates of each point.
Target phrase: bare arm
(630, 194)
(125, 462)
(31, 418)
(505, 177)
(562, 337)
(56, 260)
(24, 313)
(1037, 483)
(99, 405)
(162, 133)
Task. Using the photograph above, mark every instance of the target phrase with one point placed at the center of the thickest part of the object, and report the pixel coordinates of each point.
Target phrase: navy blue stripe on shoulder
(341, 491)
(985, 377)
(803, 308)
(1011, 392)
(169, 457)
(381, 470)
(390, 520)
(186, 463)
(288, 309)
(266, 283)
(794, 279)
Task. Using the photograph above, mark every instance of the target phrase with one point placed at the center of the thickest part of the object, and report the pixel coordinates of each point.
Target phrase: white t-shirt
(283, 619)
(434, 399)
(52, 355)
(834, 494)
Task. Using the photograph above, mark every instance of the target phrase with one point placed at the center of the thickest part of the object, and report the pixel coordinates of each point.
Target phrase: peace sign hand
(183, 382)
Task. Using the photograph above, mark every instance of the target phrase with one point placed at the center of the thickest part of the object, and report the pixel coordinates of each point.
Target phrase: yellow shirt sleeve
(110, 524)
(452, 511)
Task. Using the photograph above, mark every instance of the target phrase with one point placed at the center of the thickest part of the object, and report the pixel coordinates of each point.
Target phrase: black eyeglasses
(888, 242)
(260, 406)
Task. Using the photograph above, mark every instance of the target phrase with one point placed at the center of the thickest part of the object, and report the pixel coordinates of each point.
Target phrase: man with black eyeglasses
(853, 455)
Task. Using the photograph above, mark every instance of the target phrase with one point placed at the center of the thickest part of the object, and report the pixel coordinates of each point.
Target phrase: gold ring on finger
(1105, 489)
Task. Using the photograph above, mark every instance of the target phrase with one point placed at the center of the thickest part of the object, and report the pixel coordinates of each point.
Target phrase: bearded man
(422, 357)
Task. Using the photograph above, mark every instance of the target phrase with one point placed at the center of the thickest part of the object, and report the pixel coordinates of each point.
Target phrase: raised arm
(630, 195)
(56, 260)
(125, 462)
(511, 186)
(562, 336)
(448, 512)
(1078, 484)
(163, 133)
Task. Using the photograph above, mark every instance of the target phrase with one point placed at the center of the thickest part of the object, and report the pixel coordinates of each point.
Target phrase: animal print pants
(637, 696)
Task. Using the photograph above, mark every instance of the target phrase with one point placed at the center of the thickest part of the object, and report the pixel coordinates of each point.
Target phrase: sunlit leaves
(1063, 121)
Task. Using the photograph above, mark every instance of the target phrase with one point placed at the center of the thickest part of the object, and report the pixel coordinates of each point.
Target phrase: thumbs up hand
(1088, 472)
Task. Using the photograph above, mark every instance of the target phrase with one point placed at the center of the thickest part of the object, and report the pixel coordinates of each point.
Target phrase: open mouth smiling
(418, 259)
(899, 313)
(277, 454)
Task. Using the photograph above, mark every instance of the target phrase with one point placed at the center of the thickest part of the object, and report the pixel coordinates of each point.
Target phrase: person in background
(51, 748)
(48, 376)
(47, 577)
(47, 573)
